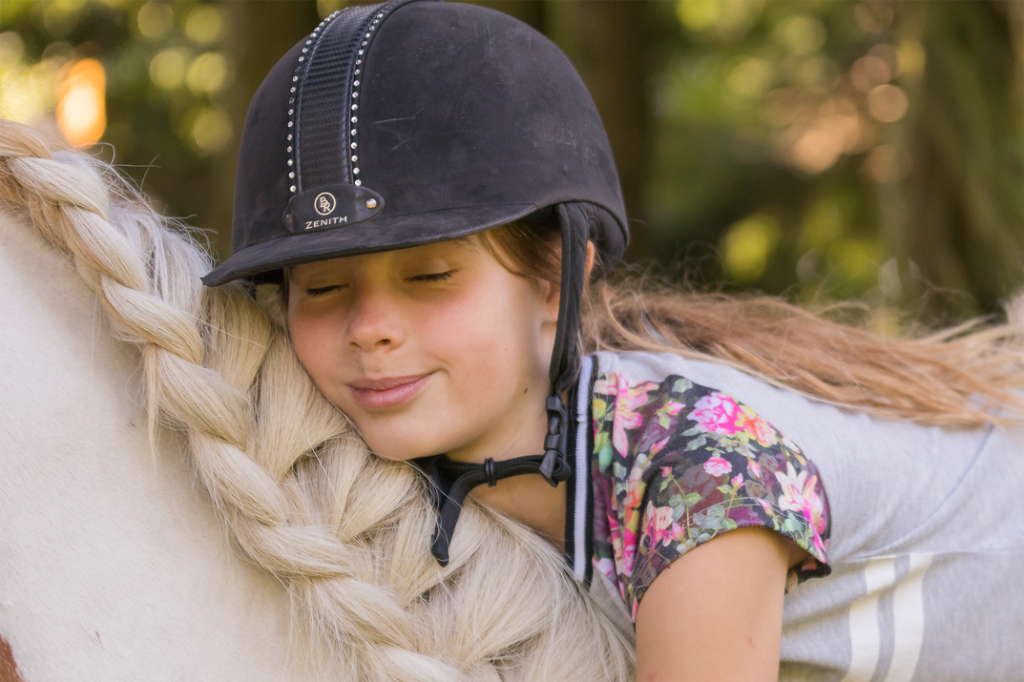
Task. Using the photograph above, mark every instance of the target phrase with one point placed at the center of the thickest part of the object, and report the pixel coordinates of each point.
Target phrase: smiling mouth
(388, 392)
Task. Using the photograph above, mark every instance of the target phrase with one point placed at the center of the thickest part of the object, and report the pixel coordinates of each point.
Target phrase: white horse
(174, 491)
(113, 564)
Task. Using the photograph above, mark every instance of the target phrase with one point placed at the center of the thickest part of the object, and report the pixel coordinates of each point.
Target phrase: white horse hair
(121, 378)
(112, 567)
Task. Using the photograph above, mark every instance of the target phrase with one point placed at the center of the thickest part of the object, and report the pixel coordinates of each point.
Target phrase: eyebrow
(471, 241)
(459, 241)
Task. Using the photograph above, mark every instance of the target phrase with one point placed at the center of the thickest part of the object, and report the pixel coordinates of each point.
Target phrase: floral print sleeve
(678, 464)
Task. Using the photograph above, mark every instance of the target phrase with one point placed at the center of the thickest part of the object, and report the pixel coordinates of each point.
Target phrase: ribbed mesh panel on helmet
(322, 108)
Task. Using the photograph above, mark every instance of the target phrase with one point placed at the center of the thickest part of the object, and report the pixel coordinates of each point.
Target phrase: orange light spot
(81, 102)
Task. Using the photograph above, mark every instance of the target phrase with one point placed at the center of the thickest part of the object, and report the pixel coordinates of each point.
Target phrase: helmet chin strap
(453, 481)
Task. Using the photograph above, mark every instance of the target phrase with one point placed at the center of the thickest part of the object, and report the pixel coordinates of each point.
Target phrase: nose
(375, 322)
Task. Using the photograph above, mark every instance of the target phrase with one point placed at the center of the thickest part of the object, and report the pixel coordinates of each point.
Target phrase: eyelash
(321, 291)
(436, 277)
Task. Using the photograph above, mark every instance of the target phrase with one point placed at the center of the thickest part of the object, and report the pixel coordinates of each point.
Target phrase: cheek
(454, 325)
(313, 340)
(491, 333)
(468, 323)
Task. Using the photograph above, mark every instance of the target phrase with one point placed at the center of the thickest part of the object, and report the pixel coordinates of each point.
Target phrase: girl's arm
(715, 614)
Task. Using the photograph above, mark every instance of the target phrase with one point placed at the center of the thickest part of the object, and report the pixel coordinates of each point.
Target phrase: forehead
(461, 247)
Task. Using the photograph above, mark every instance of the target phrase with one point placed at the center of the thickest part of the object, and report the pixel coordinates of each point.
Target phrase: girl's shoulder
(678, 463)
(655, 367)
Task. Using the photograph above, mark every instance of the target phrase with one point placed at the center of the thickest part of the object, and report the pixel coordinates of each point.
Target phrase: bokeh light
(751, 78)
(885, 164)
(815, 143)
(208, 73)
(868, 72)
(167, 68)
(155, 19)
(727, 19)
(801, 35)
(911, 56)
(29, 90)
(81, 102)
(211, 130)
(12, 49)
(856, 260)
(205, 24)
(747, 246)
(887, 103)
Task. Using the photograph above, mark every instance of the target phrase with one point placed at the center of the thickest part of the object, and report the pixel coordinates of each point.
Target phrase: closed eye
(320, 291)
(435, 277)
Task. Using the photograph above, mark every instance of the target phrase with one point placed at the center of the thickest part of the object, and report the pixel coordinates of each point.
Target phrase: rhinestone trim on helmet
(306, 57)
(356, 82)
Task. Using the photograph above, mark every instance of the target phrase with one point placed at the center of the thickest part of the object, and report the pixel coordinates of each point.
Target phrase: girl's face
(428, 350)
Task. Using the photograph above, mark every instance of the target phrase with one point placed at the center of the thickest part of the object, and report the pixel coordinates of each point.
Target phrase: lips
(387, 392)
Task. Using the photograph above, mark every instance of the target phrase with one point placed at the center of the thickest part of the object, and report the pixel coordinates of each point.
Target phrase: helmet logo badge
(328, 206)
(324, 203)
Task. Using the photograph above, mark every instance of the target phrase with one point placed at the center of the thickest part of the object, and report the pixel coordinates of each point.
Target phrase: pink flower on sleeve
(608, 384)
(660, 516)
(717, 466)
(661, 527)
(657, 447)
(792, 488)
(628, 399)
(615, 540)
(635, 489)
(717, 413)
(628, 552)
(759, 428)
(667, 411)
(799, 494)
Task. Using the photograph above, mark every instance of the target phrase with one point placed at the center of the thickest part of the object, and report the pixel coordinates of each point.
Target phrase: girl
(447, 193)
(428, 193)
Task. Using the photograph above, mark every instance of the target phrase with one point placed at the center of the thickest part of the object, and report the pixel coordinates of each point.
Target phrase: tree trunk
(259, 33)
(609, 44)
(965, 193)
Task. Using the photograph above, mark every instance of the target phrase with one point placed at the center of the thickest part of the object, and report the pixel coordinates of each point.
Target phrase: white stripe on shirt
(865, 634)
(579, 559)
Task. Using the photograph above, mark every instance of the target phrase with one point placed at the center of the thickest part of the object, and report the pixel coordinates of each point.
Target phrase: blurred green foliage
(166, 84)
(823, 149)
(794, 136)
(764, 141)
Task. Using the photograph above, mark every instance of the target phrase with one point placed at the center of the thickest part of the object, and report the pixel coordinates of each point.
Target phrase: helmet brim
(264, 261)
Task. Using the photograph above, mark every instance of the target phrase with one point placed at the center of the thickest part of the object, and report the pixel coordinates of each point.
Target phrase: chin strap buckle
(490, 473)
(554, 442)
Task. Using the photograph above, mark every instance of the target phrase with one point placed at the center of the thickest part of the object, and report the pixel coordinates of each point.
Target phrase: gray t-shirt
(926, 535)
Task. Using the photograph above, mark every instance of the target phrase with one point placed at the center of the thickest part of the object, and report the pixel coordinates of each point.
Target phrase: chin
(389, 449)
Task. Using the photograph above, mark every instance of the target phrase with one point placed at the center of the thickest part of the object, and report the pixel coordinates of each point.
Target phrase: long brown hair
(959, 377)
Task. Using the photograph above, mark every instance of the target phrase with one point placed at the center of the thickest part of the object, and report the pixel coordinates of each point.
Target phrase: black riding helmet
(416, 121)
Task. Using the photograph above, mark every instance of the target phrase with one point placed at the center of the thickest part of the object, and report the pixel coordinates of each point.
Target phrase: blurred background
(824, 150)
